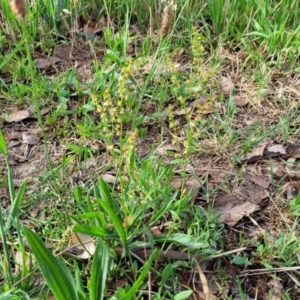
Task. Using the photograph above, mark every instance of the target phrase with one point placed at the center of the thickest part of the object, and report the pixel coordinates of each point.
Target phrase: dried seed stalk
(18, 7)
(167, 19)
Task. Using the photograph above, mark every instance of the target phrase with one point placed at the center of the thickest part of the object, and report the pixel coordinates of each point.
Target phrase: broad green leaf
(100, 265)
(183, 295)
(105, 193)
(182, 239)
(116, 222)
(95, 231)
(55, 272)
(3, 149)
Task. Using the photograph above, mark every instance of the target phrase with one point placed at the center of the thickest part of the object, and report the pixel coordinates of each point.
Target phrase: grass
(129, 167)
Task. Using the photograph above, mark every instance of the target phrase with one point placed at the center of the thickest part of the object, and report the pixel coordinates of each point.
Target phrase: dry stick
(203, 281)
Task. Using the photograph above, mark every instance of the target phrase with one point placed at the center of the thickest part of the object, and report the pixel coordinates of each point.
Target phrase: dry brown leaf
(44, 110)
(30, 139)
(109, 178)
(257, 179)
(203, 281)
(46, 63)
(276, 287)
(227, 85)
(190, 184)
(155, 230)
(233, 209)
(35, 210)
(240, 101)
(84, 242)
(63, 51)
(182, 111)
(163, 150)
(252, 192)
(18, 182)
(218, 176)
(188, 168)
(89, 27)
(277, 148)
(19, 261)
(198, 102)
(257, 151)
(17, 116)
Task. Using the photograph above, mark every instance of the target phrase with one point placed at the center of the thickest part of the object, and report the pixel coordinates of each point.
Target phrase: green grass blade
(131, 293)
(13, 213)
(79, 284)
(55, 272)
(116, 222)
(3, 148)
(99, 272)
(95, 231)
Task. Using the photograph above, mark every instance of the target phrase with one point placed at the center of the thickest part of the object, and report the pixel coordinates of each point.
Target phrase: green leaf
(182, 239)
(100, 265)
(183, 295)
(106, 194)
(3, 149)
(116, 222)
(79, 283)
(241, 260)
(165, 207)
(95, 231)
(13, 212)
(131, 293)
(55, 272)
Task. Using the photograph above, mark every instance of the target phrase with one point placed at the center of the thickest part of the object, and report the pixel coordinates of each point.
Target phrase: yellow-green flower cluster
(176, 83)
(197, 51)
(122, 84)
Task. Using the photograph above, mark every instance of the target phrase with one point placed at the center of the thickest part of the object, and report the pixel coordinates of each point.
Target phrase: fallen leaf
(18, 260)
(198, 102)
(18, 182)
(109, 178)
(63, 51)
(257, 151)
(14, 142)
(46, 63)
(240, 101)
(30, 138)
(201, 105)
(203, 281)
(277, 148)
(257, 179)
(162, 150)
(32, 109)
(219, 176)
(251, 192)
(188, 168)
(155, 231)
(182, 111)
(233, 209)
(83, 242)
(17, 116)
(35, 210)
(190, 184)
(276, 288)
(227, 85)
